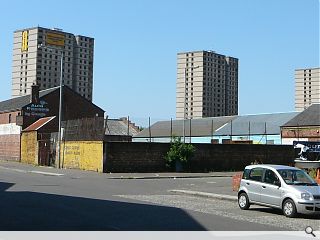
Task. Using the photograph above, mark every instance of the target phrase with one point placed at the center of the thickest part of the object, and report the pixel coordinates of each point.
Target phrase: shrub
(178, 152)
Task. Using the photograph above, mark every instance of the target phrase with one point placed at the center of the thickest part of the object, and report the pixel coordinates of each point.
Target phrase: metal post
(231, 132)
(60, 102)
(211, 129)
(190, 131)
(171, 129)
(128, 128)
(249, 130)
(265, 131)
(60, 110)
(184, 104)
(149, 131)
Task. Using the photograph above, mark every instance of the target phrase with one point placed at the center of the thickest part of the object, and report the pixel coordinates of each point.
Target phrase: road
(50, 199)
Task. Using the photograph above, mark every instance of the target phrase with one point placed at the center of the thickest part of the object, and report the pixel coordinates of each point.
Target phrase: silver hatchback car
(288, 188)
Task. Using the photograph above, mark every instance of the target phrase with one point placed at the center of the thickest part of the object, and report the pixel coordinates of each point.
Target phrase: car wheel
(243, 201)
(289, 208)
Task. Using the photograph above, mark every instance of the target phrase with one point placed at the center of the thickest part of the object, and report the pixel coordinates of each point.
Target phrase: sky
(137, 41)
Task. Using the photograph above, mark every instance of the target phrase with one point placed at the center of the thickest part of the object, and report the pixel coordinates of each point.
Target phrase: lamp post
(60, 99)
(184, 101)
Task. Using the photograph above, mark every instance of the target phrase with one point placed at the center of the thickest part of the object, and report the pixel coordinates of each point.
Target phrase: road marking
(14, 169)
(47, 173)
(211, 182)
(205, 194)
(38, 172)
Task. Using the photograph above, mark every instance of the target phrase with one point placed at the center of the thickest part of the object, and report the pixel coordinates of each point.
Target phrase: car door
(254, 183)
(270, 190)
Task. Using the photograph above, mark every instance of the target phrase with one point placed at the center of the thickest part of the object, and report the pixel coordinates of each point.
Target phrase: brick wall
(4, 117)
(234, 157)
(10, 147)
(135, 157)
(149, 157)
(301, 132)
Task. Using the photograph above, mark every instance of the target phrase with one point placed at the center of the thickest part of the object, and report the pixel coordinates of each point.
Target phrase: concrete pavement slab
(206, 194)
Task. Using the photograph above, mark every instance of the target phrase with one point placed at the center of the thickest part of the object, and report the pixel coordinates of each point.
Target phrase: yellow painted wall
(85, 155)
(29, 147)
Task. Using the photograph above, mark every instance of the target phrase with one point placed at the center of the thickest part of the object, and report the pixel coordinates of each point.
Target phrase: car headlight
(306, 196)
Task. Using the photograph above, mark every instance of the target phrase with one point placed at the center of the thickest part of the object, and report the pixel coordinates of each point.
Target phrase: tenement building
(307, 87)
(207, 85)
(37, 56)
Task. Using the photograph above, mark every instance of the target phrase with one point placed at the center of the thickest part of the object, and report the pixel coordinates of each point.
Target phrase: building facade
(207, 85)
(37, 60)
(307, 87)
(17, 114)
(304, 127)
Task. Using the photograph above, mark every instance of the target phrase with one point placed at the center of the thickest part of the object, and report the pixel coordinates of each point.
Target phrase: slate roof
(260, 124)
(117, 127)
(38, 124)
(221, 126)
(19, 102)
(309, 117)
(199, 127)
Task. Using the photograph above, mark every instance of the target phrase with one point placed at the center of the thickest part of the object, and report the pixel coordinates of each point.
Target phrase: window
(296, 177)
(270, 177)
(256, 174)
(9, 118)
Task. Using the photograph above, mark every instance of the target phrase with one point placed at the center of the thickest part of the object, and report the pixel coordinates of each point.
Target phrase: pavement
(51, 171)
(76, 199)
(206, 194)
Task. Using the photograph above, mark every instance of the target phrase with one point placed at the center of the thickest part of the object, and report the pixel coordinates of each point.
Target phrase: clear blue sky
(136, 42)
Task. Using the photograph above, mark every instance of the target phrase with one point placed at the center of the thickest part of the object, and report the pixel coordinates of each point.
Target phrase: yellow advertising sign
(24, 44)
(55, 39)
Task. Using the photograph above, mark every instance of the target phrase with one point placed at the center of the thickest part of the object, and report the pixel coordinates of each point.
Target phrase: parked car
(288, 188)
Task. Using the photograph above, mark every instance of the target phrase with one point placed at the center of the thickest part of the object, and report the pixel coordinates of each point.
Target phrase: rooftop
(309, 117)
(258, 124)
(17, 103)
(119, 127)
(199, 127)
(38, 124)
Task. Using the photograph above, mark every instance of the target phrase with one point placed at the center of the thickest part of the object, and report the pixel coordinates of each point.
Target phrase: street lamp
(60, 98)
(184, 100)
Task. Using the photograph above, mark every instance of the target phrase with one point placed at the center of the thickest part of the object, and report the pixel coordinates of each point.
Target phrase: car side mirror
(278, 183)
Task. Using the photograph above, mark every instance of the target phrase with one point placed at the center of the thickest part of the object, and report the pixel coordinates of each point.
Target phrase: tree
(179, 153)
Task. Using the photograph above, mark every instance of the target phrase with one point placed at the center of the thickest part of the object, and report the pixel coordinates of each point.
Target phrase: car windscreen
(296, 177)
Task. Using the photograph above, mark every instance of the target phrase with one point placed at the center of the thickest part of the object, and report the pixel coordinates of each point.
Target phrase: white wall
(10, 128)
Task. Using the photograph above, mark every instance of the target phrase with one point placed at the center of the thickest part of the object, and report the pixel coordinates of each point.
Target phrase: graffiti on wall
(308, 150)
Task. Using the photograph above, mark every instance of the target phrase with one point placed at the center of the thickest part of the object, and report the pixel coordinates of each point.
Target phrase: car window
(256, 174)
(245, 174)
(296, 177)
(270, 177)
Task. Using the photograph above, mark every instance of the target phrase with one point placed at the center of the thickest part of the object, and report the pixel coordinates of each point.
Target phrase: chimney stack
(35, 94)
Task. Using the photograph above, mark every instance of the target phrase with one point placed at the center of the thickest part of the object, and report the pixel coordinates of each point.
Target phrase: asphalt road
(77, 200)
